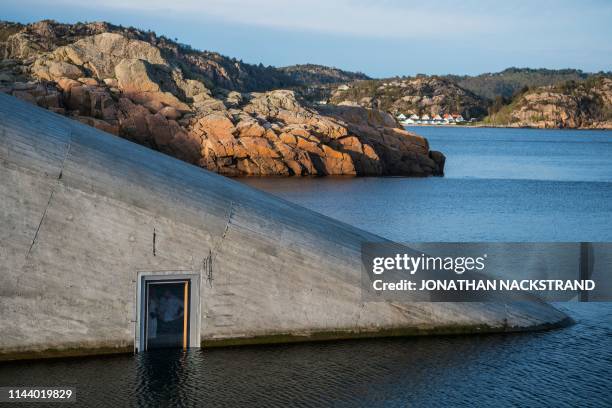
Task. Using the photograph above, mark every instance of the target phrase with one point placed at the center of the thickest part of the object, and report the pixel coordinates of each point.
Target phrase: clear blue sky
(380, 38)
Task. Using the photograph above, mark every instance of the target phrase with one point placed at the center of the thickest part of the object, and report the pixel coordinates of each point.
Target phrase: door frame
(194, 305)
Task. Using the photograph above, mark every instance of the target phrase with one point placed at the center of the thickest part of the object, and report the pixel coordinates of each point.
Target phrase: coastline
(164, 218)
(482, 125)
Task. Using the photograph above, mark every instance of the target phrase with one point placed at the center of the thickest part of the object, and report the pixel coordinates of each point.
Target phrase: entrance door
(166, 314)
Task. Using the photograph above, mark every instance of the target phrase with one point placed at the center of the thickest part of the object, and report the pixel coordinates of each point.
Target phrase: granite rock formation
(180, 102)
(420, 95)
(573, 104)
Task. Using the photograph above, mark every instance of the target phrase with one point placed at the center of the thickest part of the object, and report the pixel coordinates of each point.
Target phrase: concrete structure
(84, 214)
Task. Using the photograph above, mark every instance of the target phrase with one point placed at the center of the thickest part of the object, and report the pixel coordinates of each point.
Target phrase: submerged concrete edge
(381, 333)
(293, 338)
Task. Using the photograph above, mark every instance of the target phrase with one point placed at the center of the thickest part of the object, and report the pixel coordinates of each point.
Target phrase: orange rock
(65, 84)
(285, 150)
(339, 164)
(216, 124)
(369, 152)
(88, 81)
(267, 133)
(351, 143)
(331, 153)
(309, 146)
(257, 146)
(99, 124)
(250, 129)
(262, 167)
(159, 129)
(287, 138)
(295, 167)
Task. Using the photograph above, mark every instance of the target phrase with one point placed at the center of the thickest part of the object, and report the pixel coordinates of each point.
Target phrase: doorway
(168, 312)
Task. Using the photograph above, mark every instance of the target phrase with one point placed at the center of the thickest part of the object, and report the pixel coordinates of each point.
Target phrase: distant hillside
(570, 104)
(514, 97)
(511, 80)
(420, 95)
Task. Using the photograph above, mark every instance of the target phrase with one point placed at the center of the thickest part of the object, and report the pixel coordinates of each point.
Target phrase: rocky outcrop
(273, 134)
(420, 95)
(19, 41)
(510, 81)
(140, 91)
(574, 104)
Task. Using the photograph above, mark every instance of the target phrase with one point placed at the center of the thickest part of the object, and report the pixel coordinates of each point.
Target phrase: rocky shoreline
(189, 105)
(573, 104)
(533, 126)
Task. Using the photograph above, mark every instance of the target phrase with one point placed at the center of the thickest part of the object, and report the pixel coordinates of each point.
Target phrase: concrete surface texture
(78, 212)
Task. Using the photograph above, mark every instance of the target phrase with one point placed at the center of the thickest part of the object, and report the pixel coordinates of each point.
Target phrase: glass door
(166, 314)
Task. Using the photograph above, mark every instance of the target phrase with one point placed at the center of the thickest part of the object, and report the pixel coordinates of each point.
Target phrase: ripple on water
(567, 367)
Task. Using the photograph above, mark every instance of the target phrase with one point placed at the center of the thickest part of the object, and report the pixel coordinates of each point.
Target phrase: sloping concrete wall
(78, 212)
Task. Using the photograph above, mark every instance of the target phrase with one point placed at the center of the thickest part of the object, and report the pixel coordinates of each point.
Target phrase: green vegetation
(419, 95)
(501, 117)
(584, 100)
(494, 95)
(215, 69)
(7, 29)
(312, 74)
(510, 81)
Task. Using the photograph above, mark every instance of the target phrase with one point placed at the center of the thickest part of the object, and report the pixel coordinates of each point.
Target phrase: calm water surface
(566, 368)
(501, 185)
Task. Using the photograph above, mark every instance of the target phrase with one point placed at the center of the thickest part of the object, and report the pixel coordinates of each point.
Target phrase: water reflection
(570, 365)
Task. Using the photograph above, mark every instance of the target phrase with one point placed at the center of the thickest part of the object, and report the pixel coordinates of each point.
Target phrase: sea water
(500, 185)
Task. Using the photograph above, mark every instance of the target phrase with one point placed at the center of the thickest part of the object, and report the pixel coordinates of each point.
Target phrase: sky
(380, 38)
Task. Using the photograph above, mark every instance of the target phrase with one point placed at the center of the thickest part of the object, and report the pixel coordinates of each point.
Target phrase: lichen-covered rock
(54, 70)
(101, 53)
(146, 84)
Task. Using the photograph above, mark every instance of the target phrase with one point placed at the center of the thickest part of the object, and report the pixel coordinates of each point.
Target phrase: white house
(414, 117)
(425, 117)
(437, 118)
(401, 116)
